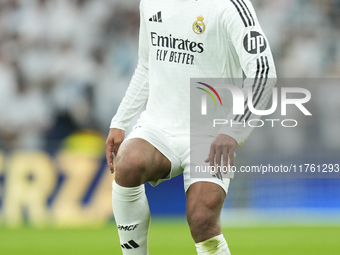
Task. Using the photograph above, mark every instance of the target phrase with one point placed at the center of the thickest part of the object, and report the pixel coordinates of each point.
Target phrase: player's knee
(202, 215)
(130, 169)
(198, 220)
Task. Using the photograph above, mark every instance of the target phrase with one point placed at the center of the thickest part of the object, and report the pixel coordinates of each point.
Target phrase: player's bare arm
(113, 141)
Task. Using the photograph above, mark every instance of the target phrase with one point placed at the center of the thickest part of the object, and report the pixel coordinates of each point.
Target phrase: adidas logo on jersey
(157, 17)
(130, 245)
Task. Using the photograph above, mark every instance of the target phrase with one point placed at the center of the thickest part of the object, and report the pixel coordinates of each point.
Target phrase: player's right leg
(137, 162)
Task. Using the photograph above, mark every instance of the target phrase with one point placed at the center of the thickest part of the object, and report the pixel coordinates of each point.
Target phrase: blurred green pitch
(171, 237)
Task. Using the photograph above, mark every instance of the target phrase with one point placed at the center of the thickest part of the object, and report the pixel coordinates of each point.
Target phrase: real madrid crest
(199, 26)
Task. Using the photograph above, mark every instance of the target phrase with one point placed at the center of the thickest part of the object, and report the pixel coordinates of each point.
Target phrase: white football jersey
(183, 39)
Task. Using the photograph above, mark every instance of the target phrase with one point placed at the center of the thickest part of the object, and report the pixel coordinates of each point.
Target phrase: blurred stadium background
(64, 67)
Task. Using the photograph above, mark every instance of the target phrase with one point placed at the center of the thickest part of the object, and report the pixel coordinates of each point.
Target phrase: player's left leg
(206, 192)
(204, 204)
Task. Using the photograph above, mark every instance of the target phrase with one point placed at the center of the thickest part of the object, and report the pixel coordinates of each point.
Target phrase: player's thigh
(138, 162)
(205, 190)
(204, 196)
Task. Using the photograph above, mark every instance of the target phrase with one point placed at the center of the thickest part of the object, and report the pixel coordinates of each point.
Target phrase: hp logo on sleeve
(254, 43)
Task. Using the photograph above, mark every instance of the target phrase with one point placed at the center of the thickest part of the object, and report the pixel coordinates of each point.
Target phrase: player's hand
(113, 141)
(223, 145)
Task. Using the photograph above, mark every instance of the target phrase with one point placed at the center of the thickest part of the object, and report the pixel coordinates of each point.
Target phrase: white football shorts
(177, 149)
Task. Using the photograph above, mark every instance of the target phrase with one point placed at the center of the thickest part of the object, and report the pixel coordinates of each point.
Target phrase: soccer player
(179, 40)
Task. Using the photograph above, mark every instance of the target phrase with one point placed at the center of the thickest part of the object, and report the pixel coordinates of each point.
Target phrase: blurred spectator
(24, 117)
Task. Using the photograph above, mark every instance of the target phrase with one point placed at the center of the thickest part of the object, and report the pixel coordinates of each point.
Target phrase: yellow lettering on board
(30, 179)
(79, 171)
(100, 208)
